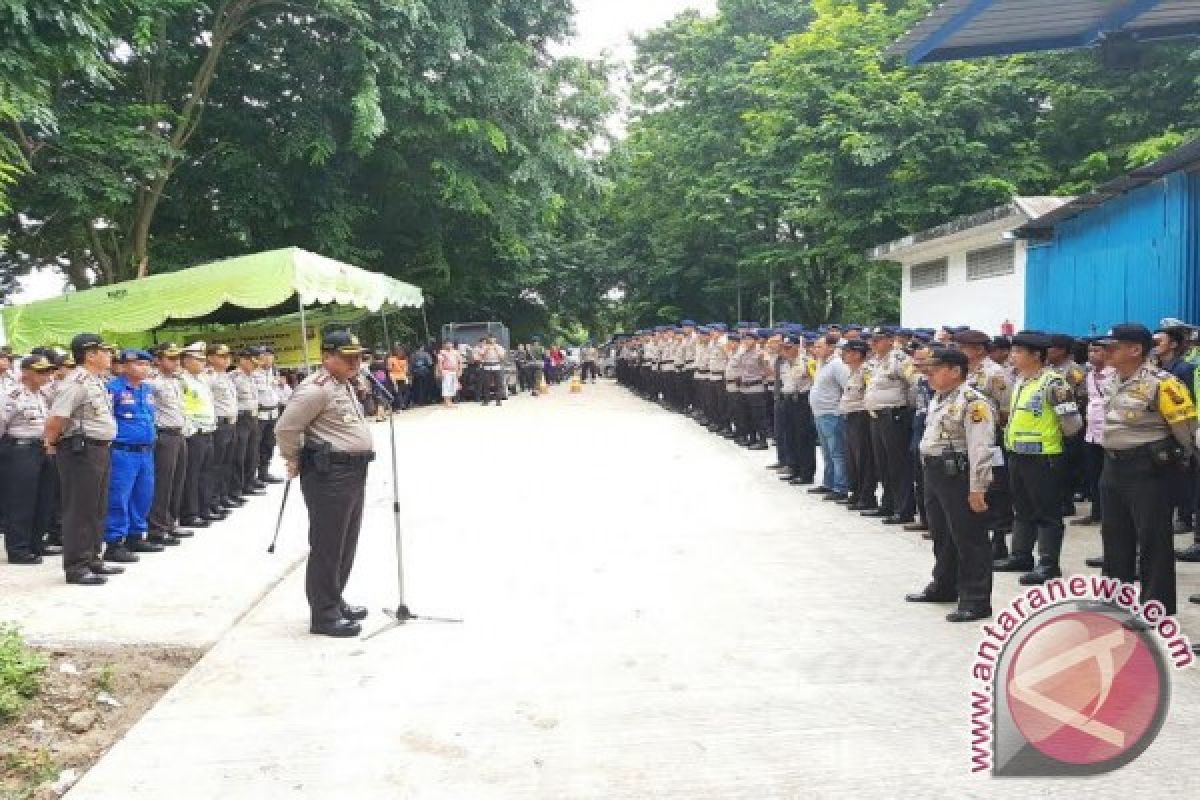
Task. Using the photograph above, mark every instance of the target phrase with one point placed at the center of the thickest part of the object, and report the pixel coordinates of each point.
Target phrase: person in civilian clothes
(26, 488)
(825, 401)
(131, 486)
(1099, 376)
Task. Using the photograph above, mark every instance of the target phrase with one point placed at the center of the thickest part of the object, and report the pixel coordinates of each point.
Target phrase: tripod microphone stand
(401, 614)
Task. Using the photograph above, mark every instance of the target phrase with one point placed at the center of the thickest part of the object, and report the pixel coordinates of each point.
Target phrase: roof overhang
(963, 29)
(993, 223)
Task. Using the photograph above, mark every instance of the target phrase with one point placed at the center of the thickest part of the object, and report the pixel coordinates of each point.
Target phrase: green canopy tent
(279, 285)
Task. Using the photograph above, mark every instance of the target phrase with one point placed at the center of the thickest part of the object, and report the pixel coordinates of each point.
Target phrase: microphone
(380, 388)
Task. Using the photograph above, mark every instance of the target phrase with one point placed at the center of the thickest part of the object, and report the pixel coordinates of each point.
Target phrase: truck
(470, 333)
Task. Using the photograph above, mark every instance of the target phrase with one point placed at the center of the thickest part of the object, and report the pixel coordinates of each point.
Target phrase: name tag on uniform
(998, 456)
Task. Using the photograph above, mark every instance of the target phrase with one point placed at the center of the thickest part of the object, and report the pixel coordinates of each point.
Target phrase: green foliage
(20, 673)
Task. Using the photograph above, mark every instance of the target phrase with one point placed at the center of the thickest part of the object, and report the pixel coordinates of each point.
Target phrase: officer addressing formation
(970, 437)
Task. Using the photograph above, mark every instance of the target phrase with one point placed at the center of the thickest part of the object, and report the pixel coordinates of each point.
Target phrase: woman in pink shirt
(449, 367)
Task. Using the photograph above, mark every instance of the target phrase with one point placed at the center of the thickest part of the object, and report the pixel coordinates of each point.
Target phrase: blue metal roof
(962, 29)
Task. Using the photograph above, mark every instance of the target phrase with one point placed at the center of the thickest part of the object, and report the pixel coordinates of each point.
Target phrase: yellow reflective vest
(1032, 424)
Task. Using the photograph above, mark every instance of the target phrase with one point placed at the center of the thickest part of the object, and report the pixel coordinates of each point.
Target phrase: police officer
(727, 419)
(860, 458)
(8, 382)
(1149, 423)
(170, 449)
(957, 454)
(1043, 413)
(245, 460)
(131, 486)
(753, 370)
(27, 491)
(79, 432)
(201, 421)
(221, 487)
(1061, 360)
(266, 381)
(491, 361)
(886, 401)
(324, 438)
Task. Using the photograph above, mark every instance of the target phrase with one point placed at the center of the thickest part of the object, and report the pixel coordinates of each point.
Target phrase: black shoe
(1039, 576)
(877, 513)
(354, 613)
(142, 546)
(786, 476)
(926, 597)
(820, 490)
(254, 491)
(234, 502)
(1183, 526)
(836, 497)
(1094, 562)
(163, 539)
(1087, 521)
(1194, 599)
(24, 559)
(100, 568)
(916, 527)
(776, 466)
(339, 629)
(897, 520)
(1068, 510)
(266, 477)
(182, 533)
(757, 446)
(801, 481)
(1012, 564)
(119, 554)
(965, 615)
(1190, 554)
(259, 484)
(52, 549)
(212, 516)
(195, 522)
(87, 579)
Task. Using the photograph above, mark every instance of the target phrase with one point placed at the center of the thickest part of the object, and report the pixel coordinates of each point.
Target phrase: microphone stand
(401, 614)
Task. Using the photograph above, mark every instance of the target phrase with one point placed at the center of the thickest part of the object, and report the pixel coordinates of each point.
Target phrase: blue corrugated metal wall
(1136, 258)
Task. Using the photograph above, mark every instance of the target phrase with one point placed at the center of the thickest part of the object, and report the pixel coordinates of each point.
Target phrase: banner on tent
(284, 339)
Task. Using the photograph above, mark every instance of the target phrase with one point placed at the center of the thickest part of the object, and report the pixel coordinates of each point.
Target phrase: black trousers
(27, 493)
(199, 456)
(218, 483)
(1093, 465)
(752, 420)
(249, 433)
(83, 482)
(170, 475)
(266, 445)
(335, 505)
(1036, 484)
(891, 434)
(1137, 520)
(589, 371)
(860, 457)
(491, 383)
(804, 438)
(962, 552)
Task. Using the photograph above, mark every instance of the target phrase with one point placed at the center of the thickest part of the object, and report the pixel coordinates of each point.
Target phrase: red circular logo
(1083, 689)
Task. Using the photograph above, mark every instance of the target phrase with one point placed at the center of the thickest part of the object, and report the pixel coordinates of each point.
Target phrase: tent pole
(387, 337)
(425, 317)
(304, 334)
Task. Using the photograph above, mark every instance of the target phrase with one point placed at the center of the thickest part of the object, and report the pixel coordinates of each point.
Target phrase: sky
(607, 24)
(601, 25)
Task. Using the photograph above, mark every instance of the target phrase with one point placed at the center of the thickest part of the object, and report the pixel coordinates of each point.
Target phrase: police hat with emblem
(688, 323)
(883, 332)
(1129, 332)
(168, 350)
(1032, 340)
(218, 349)
(971, 337)
(948, 357)
(38, 363)
(247, 352)
(63, 359)
(857, 345)
(130, 355)
(196, 350)
(89, 341)
(1001, 343)
(1066, 342)
(342, 342)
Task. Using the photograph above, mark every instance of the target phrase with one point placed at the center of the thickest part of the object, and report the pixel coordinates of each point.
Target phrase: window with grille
(928, 275)
(991, 262)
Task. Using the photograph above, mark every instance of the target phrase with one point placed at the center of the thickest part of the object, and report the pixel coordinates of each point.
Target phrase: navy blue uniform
(131, 487)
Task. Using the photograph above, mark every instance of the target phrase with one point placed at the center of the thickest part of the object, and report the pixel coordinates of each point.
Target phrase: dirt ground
(89, 698)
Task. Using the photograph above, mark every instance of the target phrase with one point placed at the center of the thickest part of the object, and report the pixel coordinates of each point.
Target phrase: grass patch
(20, 673)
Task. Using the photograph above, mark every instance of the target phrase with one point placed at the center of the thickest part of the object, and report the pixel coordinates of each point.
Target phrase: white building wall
(984, 304)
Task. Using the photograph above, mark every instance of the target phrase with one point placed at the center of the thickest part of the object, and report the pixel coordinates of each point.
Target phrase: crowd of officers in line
(105, 456)
(970, 438)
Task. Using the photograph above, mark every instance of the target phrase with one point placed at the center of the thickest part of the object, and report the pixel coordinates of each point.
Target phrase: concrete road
(648, 614)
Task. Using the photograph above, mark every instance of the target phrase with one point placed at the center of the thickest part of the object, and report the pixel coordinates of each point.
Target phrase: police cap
(131, 355)
(90, 341)
(948, 357)
(1066, 342)
(1128, 332)
(883, 332)
(856, 345)
(218, 349)
(38, 363)
(343, 342)
(1032, 340)
(168, 350)
(969, 337)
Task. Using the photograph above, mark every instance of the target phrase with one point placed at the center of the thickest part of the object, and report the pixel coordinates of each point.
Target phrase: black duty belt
(1145, 451)
(745, 384)
(340, 458)
(702, 372)
(15, 441)
(103, 443)
(246, 414)
(170, 431)
(133, 448)
(227, 421)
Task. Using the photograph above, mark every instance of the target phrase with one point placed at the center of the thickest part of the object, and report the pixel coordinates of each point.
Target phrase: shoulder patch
(1174, 403)
(980, 411)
